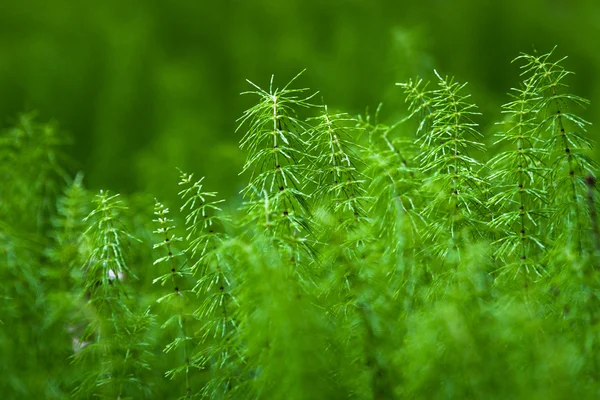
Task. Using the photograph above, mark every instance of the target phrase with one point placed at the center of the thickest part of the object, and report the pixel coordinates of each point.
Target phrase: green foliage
(277, 155)
(447, 135)
(566, 145)
(521, 197)
(339, 182)
(175, 273)
(113, 347)
(427, 258)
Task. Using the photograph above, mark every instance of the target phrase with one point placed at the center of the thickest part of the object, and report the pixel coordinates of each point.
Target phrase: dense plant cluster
(423, 259)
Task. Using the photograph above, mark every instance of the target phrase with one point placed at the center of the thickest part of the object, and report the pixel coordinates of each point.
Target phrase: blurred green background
(144, 87)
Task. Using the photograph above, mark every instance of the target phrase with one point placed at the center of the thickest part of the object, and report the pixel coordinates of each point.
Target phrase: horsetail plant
(67, 228)
(520, 201)
(572, 222)
(105, 267)
(217, 351)
(277, 155)
(566, 146)
(340, 185)
(450, 172)
(341, 195)
(368, 260)
(394, 182)
(114, 340)
(176, 274)
(201, 220)
(349, 281)
(395, 186)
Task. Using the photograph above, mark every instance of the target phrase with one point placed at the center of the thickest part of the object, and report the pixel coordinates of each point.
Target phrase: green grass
(425, 259)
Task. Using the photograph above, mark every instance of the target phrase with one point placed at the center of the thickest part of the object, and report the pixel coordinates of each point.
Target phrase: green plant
(112, 345)
(176, 299)
(427, 258)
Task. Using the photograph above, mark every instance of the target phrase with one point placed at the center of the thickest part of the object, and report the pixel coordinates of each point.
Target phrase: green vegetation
(430, 258)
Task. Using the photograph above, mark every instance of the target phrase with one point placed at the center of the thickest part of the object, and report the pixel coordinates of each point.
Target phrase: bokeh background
(145, 86)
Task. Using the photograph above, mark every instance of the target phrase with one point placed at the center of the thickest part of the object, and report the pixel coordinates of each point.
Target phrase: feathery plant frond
(341, 194)
(106, 266)
(164, 228)
(571, 225)
(264, 211)
(394, 181)
(420, 102)
(397, 208)
(520, 198)
(202, 221)
(274, 136)
(453, 134)
(213, 266)
(340, 185)
(177, 298)
(567, 147)
(277, 154)
(114, 341)
(450, 171)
